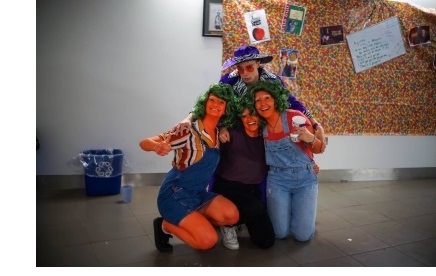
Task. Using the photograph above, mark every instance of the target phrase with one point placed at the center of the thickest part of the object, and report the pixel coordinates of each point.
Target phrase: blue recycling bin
(103, 171)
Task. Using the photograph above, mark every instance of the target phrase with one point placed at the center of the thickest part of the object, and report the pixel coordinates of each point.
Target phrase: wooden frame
(212, 18)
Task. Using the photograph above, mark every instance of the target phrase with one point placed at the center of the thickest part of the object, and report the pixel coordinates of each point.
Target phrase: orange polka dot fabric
(397, 97)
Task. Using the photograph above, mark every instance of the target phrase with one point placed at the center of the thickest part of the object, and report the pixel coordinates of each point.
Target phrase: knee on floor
(303, 237)
(207, 241)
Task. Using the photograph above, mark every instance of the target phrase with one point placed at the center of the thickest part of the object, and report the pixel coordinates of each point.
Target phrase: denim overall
(292, 187)
(183, 192)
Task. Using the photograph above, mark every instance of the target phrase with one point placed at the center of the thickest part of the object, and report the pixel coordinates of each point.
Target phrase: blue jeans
(292, 195)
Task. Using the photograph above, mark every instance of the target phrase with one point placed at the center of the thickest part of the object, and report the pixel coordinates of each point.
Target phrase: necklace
(274, 127)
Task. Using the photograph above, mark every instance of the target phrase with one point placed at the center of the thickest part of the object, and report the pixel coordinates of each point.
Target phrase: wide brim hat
(246, 53)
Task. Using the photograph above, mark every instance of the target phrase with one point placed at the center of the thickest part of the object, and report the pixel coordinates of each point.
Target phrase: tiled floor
(373, 224)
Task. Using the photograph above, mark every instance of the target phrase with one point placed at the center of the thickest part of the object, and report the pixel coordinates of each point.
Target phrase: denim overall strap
(184, 191)
(284, 123)
(284, 153)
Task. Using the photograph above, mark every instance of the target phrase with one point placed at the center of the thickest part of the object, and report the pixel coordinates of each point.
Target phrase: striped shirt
(187, 147)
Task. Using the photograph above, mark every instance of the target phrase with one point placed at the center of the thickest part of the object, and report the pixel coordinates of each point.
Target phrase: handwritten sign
(376, 44)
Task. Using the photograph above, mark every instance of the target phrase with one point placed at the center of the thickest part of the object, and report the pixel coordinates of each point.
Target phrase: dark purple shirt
(243, 158)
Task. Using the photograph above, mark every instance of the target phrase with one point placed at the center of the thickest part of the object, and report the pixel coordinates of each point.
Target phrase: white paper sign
(376, 44)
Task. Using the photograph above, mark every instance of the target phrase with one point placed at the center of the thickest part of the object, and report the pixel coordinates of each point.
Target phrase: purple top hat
(245, 53)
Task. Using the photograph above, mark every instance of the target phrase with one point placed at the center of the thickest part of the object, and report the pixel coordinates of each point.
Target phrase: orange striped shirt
(187, 147)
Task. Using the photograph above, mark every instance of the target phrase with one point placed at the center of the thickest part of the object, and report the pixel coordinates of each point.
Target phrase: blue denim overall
(184, 191)
(292, 187)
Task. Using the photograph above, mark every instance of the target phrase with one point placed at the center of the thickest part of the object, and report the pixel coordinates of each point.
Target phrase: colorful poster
(288, 63)
(293, 19)
(257, 26)
(331, 35)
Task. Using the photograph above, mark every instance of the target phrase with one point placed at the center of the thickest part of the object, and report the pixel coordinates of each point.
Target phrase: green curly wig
(222, 91)
(241, 104)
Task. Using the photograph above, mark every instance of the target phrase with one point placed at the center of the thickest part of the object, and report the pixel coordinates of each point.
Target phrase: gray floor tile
(425, 224)
(396, 209)
(168, 260)
(250, 255)
(314, 250)
(69, 233)
(345, 261)
(105, 210)
(394, 233)
(387, 257)
(364, 196)
(334, 200)
(360, 215)
(125, 251)
(399, 190)
(424, 251)
(353, 240)
(49, 256)
(82, 255)
(144, 200)
(426, 203)
(327, 220)
(114, 228)
(146, 222)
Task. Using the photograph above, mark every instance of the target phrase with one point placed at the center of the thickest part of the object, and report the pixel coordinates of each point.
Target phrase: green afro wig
(222, 91)
(241, 104)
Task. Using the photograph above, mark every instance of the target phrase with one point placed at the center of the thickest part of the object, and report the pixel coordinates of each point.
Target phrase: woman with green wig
(290, 144)
(188, 210)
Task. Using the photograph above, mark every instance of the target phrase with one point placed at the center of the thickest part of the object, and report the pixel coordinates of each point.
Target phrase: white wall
(421, 3)
(110, 73)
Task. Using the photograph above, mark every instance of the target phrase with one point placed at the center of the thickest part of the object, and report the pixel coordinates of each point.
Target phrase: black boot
(161, 240)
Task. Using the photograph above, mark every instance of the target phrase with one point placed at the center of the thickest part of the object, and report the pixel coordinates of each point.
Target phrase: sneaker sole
(231, 247)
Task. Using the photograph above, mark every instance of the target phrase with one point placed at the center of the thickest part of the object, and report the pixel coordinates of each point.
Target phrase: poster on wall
(331, 35)
(293, 19)
(419, 35)
(374, 45)
(288, 63)
(257, 26)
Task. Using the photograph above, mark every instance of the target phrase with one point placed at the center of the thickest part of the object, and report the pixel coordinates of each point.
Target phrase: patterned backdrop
(397, 97)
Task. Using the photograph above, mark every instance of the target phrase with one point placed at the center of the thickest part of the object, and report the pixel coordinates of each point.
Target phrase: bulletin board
(380, 100)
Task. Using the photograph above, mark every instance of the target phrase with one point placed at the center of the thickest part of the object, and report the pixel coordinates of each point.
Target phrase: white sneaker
(230, 239)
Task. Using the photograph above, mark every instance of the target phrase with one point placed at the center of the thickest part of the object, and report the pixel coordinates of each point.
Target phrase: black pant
(252, 210)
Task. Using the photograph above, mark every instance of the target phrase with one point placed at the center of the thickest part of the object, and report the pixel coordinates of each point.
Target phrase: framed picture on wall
(213, 18)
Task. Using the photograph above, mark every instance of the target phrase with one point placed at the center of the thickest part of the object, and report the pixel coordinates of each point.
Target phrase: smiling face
(215, 106)
(250, 122)
(264, 104)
